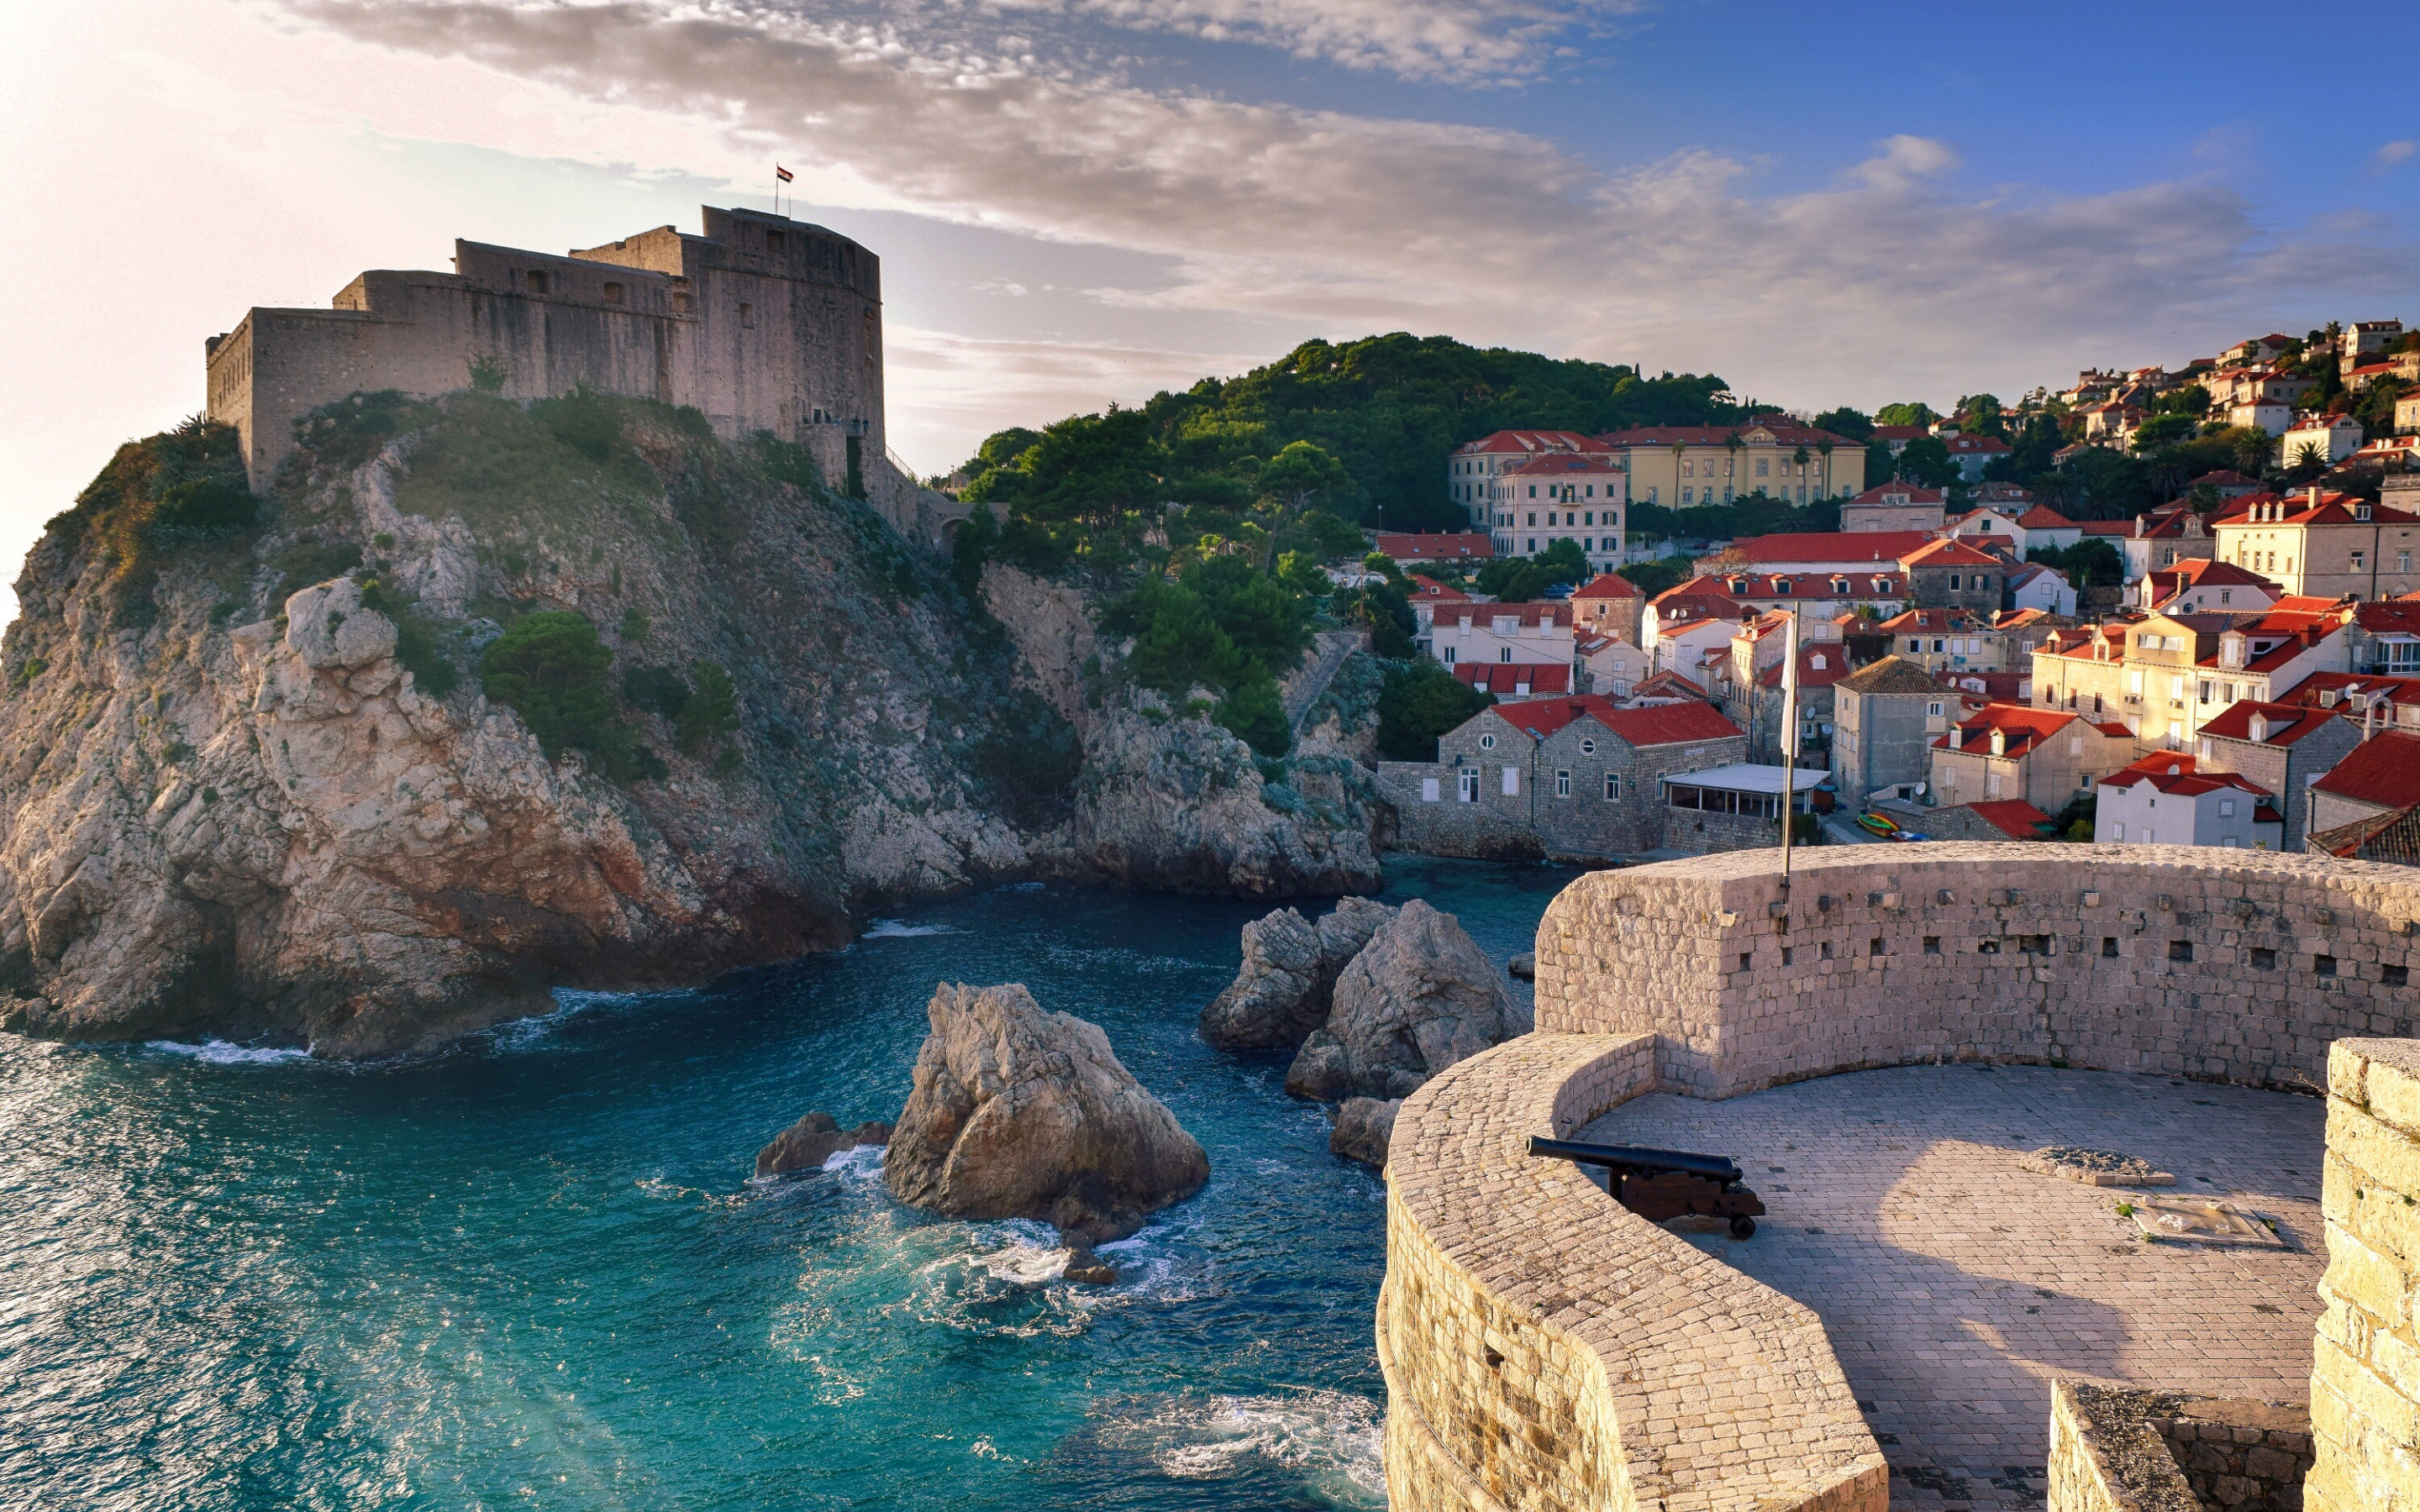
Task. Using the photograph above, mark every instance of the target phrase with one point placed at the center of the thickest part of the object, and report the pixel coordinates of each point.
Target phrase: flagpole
(1788, 742)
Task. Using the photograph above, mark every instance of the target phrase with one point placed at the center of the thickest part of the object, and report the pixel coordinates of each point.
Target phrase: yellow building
(1679, 466)
(2324, 544)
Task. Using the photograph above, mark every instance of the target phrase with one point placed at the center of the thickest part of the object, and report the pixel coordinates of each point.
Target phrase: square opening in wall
(2393, 975)
(2325, 965)
(1874, 945)
(2180, 949)
(1987, 947)
(2264, 959)
(2109, 947)
(1932, 945)
(1745, 957)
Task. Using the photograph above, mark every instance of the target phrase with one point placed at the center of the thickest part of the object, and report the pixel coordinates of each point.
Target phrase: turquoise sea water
(531, 1272)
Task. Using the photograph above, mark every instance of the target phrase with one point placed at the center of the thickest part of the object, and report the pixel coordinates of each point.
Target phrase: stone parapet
(2116, 1449)
(2180, 961)
(2365, 1362)
(1544, 1349)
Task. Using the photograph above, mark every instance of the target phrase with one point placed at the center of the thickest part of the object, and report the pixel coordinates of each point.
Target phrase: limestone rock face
(1020, 1113)
(805, 1145)
(1419, 998)
(1288, 978)
(1363, 1127)
(228, 807)
(1171, 801)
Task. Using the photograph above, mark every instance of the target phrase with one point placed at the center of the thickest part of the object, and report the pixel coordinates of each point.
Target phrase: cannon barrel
(1632, 1158)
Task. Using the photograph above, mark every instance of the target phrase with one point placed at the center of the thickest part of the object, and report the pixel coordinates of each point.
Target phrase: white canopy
(1746, 776)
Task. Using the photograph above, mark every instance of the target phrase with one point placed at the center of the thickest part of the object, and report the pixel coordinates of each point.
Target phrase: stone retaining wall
(2366, 1363)
(1544, 1349)
(2113, 1449)
(2196, 961)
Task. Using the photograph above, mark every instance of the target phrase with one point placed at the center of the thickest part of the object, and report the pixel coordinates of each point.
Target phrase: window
(2118, 831)
(1587, 748)
(1687, 493)
(1953, 581)
(1874, 945)
(1503, 653)
(1512, 781)
(2109, 947)
(1932, 711)
(2226, 807)
(1487, 743)
(1932, 945)
(2393, 975)
(1563, 782)
(1466, 785)
(2226, 842)
(535, 280)
(2180, 949)
(747, 316)
(2360, 560)
(1448, 656)
(1612, 786)
(1746, 959)
(2264, 960)
(1428, 790)
(1533, 493)
(773, 244)
(2323, 966)
(612, 293)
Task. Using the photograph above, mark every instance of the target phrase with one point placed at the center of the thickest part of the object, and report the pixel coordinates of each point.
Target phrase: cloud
(2393, 153)
(1887, 282)
(1464, 40)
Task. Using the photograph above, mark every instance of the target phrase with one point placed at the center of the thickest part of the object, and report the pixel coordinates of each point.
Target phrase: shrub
(1029, 762)
(1418, 701)
(348, 432)
(550, 667)
(200, 507)
(657, 689)
(1254, 712)
(711, 710)
(634, 626)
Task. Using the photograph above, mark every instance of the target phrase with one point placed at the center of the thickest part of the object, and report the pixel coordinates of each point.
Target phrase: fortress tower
(763, 323)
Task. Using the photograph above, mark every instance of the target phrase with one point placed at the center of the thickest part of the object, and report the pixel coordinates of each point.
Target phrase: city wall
(2239, 966)
(1544, 1349)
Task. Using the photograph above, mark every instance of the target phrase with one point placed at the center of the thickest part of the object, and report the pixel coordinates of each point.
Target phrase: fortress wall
(2365, 1363)
(786, 339)
(2227, 965)
(1544, 1349)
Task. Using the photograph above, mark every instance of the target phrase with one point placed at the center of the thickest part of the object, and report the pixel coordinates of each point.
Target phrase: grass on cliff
(180, 491)
(503, 466)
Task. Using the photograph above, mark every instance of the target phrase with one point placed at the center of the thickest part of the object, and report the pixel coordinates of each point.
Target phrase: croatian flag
(783, 174)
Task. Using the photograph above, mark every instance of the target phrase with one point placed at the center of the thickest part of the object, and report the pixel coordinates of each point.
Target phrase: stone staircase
(1329, 650)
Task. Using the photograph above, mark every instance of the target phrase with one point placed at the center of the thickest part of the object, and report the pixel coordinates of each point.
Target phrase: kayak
(1876, 824)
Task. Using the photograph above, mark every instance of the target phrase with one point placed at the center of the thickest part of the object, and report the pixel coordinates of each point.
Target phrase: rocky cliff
(489, 699)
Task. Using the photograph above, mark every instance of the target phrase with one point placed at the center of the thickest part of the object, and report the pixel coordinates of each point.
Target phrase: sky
(1084, 201)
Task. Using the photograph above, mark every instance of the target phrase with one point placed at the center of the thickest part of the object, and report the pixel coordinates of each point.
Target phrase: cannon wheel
(1743, 1225)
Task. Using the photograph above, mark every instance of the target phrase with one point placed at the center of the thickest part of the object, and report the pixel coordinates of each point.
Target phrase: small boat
(1910, 834)
(1876, 824)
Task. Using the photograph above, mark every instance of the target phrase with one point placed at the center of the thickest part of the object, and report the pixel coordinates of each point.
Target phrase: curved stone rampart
(1544, 1349)
(2239, 966)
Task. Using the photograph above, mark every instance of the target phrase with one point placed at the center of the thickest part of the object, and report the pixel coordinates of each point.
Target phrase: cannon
(1658, 1184)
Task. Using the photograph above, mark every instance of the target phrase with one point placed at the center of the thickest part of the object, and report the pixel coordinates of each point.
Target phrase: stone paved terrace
(1954, 1285)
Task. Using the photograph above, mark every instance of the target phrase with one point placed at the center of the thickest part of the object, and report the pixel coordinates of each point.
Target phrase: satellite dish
(1920, 790)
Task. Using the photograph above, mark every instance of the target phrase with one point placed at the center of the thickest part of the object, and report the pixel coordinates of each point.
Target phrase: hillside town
(2154, 606)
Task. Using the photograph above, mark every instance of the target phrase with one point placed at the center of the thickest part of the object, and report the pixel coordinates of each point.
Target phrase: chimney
(2315, 495)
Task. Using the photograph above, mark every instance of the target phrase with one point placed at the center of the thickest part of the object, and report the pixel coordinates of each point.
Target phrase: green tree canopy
(1418, 701)
(1911, 412)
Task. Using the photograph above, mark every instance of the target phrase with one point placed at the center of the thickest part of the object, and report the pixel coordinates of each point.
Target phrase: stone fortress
(1544, 1349)
(763, 324)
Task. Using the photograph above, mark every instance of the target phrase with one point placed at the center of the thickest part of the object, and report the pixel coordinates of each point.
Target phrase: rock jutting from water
(1419, 998)
(1364, 1126)
(805, 1145)
(1287, 983)
(1018, 1112)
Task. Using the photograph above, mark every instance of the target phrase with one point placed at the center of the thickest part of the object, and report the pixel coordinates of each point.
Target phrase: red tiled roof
(1503, 678)
(2012, 817)
(1662, 725)
(2399, 692)
(1667, 682)
(1424, 547)
(1527, 441)
(1483, 616)
(1977, 445)
(2043, 517)
(2384, 769)
(2391, 836)
(2284, 723)
(1561, 462)
(1784, 433)
(1830, 547)
(2302, 508)
(2023, 725)
(1431, 589)
(2173, 771)
(1945, 620)
(2105, 527)
(1898, 493)
(1819, 666)
(2399, 616)
(1609, 585)
(1820, 583)
(1947, 554)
